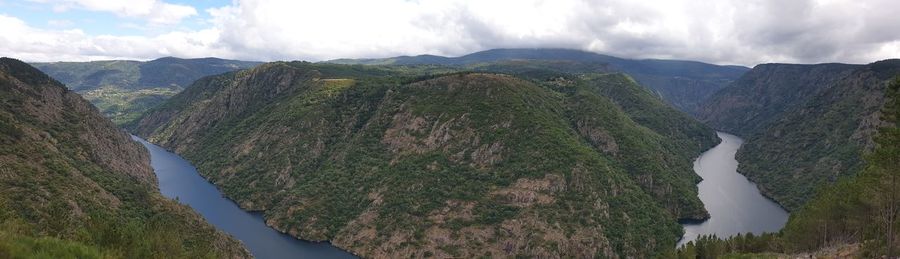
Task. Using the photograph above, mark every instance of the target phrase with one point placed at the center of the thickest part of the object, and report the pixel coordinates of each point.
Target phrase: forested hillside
(396, 161)
(75, 186)
(684, 84)
(806, 125)
(859, 216)
(123, 89)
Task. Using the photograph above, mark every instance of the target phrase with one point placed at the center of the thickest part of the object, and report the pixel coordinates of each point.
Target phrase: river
(179, 180)
(734, 203)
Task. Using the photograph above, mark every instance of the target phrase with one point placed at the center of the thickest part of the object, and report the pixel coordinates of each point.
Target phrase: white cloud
(154, 11)
(728, 31)
(60, 23)
(19, 40)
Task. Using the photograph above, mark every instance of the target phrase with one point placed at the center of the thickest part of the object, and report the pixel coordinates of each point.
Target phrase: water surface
(178, 179)
(734, 203)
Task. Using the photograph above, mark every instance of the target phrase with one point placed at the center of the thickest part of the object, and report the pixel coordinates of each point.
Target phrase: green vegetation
(124, 89)
(806, 126)
(124, 105)
(684, 84)
(75, 186)
(400, 161)
(864, 209)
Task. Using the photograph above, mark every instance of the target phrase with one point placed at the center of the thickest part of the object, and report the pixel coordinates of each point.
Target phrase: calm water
(178, 178)
(734, 203)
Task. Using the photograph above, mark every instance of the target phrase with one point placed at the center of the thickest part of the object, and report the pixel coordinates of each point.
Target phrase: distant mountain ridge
(123, 89)
(806, 125)
(684, 84)
(131, 74)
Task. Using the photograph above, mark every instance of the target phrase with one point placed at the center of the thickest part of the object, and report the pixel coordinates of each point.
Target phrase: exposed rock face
(805, 125)
(461, 165)
(59, 156)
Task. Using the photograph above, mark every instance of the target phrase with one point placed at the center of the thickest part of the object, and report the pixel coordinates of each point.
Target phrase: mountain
(856, 217)
(684, 84)
(806, 125)
(396, 161)
(124, 89)
(75, 186)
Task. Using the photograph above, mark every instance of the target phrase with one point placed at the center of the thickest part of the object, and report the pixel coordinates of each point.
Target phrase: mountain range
(123, 89)
(390, 161)
(499, 153)
(684, 84)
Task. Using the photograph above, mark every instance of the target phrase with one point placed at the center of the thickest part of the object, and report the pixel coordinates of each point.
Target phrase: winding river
(179, 180)
(734, 203)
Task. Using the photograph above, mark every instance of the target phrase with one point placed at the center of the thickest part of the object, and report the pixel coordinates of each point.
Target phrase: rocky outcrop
(387, 164)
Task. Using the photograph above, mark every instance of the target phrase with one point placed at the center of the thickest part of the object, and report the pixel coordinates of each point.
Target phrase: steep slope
(124, 89)
(766, 93)
(76, 186)
(857, 217)
(387, 163)
(684, 84)
(805, 126)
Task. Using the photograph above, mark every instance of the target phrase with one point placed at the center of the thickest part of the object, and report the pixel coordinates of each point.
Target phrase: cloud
(60, 23)
(74, 45)
(154, 11)
(743, 32)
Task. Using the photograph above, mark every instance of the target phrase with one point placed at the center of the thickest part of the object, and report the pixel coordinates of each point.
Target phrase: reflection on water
(734, 203)
(178, 179)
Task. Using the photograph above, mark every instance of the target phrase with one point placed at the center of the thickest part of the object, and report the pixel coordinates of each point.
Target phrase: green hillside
(123, 89)
(806, 125)
(684, 84)
(856, 217)
(394, 161)
(75, 186)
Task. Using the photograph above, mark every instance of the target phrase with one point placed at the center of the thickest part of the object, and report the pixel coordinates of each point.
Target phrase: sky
(740, 32)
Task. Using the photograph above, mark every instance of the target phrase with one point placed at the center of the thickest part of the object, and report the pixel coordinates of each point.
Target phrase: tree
(884, 165)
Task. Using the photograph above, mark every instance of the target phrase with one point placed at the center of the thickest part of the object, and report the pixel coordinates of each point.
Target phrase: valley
(124, 89)
(735, 204)
(232, 129)
(178, 180)
(535, 145)
(75, 186)
(501, 153)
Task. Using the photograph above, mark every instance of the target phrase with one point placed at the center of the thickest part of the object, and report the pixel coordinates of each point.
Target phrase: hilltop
(398, 161)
